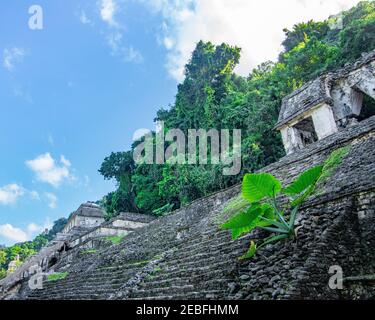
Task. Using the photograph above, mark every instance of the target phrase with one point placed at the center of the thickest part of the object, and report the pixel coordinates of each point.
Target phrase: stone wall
(186, 256)
(83, 222)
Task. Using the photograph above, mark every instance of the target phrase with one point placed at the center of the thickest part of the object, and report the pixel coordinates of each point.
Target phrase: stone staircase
(183, 256)
(186, 256)
(199, 268)
(97, 284)
(202, 268)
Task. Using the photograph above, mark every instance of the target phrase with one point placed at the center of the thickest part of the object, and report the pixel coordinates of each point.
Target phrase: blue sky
(98, 71)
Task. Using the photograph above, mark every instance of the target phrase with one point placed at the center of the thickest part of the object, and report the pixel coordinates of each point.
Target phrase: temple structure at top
(328, 104)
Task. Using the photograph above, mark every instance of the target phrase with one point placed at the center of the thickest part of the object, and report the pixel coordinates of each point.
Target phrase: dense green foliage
(119, 166)
(213, 96)
(261, 190)
(26, 249)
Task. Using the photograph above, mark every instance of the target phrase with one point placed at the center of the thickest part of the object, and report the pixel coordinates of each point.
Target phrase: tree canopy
(212, 95)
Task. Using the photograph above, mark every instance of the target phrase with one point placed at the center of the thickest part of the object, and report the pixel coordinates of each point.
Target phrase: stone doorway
(367, 109)
(305, 129)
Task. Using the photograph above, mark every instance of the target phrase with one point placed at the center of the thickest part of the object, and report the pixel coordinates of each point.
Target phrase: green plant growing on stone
(90, 251)
(164, 210)
(261, 191)
(57, 276)
(114, 239)
(157, 269)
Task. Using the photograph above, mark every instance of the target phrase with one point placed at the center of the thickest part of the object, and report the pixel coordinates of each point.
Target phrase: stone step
(209, 234)
(84, 282)
(98, 275)
(87, 279)
(192, 265)
(208, 283)
(110, 280)
(218, 270)
(164, 291)
(205, 248)
(201, 239)
(87, 285)
(71, 296)
(102, 288)
(192, 250)
(231, 252)
(102, 291)
(209, 295)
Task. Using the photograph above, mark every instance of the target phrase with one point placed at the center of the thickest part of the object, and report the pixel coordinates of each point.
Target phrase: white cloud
(34, 195)
(20, 92)
(14, 234)
(132, 55)
(108, 11)
(65, 161)
(114, 40)
(114, 36)
(33, 228)
(118, 48)
(10, 193)
(11, 56)
(83, 18)
(47, 170)
(255, 26)
(52, 200)
(47, 224)
(168, 43)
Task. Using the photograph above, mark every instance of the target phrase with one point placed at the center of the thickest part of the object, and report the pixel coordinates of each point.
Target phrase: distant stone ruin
(328, 104)
(88, 215)
(85, 230)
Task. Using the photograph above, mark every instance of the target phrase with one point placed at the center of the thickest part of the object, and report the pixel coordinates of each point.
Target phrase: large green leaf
(256, 187)
(302, 197)
(269, 214)
(304, 181)
(244, 222)
(243, 219)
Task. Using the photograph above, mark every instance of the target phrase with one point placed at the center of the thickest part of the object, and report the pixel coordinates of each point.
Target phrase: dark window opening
(368, 108)
(306, 131)
(52, 262)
